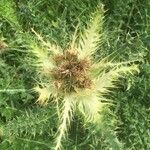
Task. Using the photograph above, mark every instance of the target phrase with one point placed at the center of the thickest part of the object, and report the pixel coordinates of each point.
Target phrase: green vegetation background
(26, 126)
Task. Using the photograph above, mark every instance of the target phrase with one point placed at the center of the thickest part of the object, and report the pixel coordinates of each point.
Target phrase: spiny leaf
(44, 95)
(106, 80)
(66, 118)
(92, 36)
(51, 47)
(91, 107)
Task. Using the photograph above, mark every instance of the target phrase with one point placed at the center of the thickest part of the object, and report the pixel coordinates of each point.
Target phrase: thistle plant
(72, 77)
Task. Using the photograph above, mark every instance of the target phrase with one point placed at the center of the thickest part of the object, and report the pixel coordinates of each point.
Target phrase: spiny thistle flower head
(71, 73)
(74, 77)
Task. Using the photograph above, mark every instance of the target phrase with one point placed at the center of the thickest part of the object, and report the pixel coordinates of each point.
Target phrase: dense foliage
(125, 122)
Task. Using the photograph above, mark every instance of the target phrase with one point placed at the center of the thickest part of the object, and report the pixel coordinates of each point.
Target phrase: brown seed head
(70, 72)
